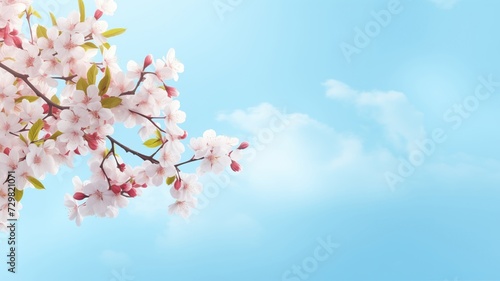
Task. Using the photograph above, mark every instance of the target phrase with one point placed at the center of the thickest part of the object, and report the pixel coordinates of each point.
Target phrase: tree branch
(25, 79)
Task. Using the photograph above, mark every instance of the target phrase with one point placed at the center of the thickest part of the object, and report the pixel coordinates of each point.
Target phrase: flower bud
(45, 108)
(184, 136)
(132, 192)
(235, 166)
(98, 14)
(148, 61)
(126, 187)
(171, 91)
(116, 189)
(79, 196)
(177, 184)
(6, 151)
(121, 167)
(243, 145)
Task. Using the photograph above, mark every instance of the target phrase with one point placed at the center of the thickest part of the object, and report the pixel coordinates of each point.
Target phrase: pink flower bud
(244, 145)
(132, 192)
(45, 108)
(184, 136)
(121, 167)
(116, 189)
(177, 184)
(171, 91)
(98, 14)
(126, 187)
(148, 61)
(235, 166)
(79, 196)
(6, 151)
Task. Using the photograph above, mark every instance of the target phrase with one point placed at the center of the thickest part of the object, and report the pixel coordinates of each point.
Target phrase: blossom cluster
(61, 93)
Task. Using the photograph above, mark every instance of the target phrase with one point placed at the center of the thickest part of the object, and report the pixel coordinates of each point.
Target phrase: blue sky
(327, 129)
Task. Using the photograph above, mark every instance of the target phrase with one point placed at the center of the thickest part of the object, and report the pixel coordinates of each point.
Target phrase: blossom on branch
(61, 94)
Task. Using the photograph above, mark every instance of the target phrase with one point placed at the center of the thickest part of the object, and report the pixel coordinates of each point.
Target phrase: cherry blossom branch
(25, 79)
(188, 161)
(150, 120)
(129, 150)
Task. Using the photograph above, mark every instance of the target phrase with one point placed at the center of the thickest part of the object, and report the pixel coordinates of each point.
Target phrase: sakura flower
(100, 197)
(182, 208)
(72, 24)
(189, 187)
(68, 46)
(9, 124)
(159, 173)
(169, 67)
(108, 7)
(73, 209)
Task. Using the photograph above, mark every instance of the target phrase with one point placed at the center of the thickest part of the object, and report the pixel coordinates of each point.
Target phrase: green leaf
(18, 194)
(36, 14)
(82, 85)
(36, 183)
(41, 31)
(55, 100)
(105, 82)
(88, 46)
(53, 19)
(152, 143)
(111, 102)
(35, 129)
(92, 74)
(55, 135)
(23, 138)
(28, 98)
(158, 133)
(170, 180)
(113, 32)
(81, 7)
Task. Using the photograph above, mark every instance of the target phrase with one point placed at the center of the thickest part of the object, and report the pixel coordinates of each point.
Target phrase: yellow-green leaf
(111, 102)
(152, 143)
(92, 74)
(36, 14)
(105, 82)
(55, 135)
(158, 133)
(53, 19)
(81, 7)
(23, 138)
(36, 183)
(28, 98)
(41, 31)
(82, 85)
(170, 180)
(113, 32)
(88, 46)
(55, 100)
(18, 194)
(35, 129)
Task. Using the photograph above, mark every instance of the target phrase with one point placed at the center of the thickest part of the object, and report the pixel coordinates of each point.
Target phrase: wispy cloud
(402, 122)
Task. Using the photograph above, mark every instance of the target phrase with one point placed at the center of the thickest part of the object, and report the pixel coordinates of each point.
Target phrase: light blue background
(323, 175)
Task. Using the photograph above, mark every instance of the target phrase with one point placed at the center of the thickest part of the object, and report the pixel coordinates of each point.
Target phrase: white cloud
(339, 90)
(402, 122)
(296, 161)
(445, 4)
